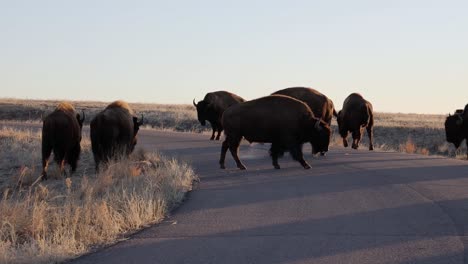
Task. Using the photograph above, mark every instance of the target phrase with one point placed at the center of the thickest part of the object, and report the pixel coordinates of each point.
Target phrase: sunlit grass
(63, 217)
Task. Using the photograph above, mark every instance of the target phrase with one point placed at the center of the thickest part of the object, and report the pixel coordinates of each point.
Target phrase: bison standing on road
(356, 115)
(285, 122)
(456, 127)
(113, 132)
(211, 108)
(61, 133)
(321, 106)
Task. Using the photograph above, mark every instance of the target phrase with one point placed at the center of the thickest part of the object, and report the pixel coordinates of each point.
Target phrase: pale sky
(403, 56)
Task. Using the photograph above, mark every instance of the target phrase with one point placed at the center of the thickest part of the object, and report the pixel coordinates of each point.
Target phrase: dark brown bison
(211, 108)
(61, 133)
(456, 127)
(321, 106)
(113, 132)
(285, 122)
(356, 115)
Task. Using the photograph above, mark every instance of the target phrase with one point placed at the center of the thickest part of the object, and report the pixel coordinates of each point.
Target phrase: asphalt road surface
(351, 207)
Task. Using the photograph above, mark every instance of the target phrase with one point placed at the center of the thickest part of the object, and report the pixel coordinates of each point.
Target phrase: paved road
(351, 207)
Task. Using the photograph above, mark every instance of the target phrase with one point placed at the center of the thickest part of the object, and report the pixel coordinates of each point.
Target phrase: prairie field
(412, 133)
(64, 217)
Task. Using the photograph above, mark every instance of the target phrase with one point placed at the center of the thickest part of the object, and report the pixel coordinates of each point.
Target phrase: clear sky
(403, 56)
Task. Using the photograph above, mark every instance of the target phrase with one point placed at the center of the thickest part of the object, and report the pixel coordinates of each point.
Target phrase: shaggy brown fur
(285, 122)
(121, 105)
(211, 108)
(61, 133)
(65, 106)
(321, 106)
(113, 132)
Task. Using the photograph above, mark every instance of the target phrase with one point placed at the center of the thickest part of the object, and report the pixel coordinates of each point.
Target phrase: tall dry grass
(55, 220)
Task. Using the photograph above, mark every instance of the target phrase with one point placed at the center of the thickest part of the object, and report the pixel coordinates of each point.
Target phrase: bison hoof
(371, 148)
(221, 166)
(307, 166)
(277, 167)
(242, 167)
(323, 153)
(211, 138)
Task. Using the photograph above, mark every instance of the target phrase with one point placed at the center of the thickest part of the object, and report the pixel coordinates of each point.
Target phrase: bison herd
(287, 119)
(113, 134)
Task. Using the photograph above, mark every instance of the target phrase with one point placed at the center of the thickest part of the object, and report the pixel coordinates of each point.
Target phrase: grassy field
(412, 133)
(63, 217)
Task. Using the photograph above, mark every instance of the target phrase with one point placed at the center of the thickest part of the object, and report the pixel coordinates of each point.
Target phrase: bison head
(202, 111)
(454, 129)
(321, 134)
(136, 127)
(80, 118)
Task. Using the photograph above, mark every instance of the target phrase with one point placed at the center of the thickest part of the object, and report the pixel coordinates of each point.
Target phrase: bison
(61, 133)
(285, 122)
(211, 108)
(356, 115)
(456, 127)
(320, 105)
(113, 132)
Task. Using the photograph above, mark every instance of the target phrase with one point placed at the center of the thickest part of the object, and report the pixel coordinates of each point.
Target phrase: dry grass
(161, 116)
(51, 221)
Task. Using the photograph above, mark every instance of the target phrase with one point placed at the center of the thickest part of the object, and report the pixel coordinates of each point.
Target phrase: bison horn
(194, 104)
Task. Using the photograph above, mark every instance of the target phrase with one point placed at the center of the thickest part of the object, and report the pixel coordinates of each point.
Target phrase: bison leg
(466, 141)
(275, 152)
(219, 133)
(345, 142)
(46, 151)
(234, 149)
(73, 157)
(214, 131)
(296, 153)
(370, 134)
(222, 158)
(356, 139)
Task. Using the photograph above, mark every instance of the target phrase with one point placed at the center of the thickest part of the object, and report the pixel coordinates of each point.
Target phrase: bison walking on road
(321, 106)
(61, 133)
(357, 114)
(113, 132)
(456, 127)
(211, 108)
(285, 122)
